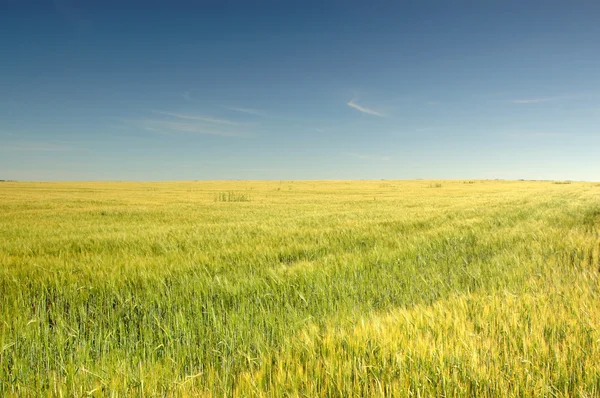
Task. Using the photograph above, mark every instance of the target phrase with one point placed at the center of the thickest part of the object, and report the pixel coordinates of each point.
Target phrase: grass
(232, 197)
(485, 288)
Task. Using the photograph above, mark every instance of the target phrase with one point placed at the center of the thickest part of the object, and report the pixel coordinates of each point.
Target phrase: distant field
(397, 288)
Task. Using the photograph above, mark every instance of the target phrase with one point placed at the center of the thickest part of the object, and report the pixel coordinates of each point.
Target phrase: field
(289, 288)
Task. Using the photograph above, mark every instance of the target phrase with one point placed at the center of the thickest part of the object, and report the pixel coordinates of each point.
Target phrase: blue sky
(182, 90)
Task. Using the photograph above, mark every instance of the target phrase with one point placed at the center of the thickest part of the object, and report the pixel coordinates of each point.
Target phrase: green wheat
(482, 288)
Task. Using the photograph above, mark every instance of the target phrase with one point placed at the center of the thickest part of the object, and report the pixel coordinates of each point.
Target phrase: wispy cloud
(187, 96)
(207, 119)
(191, 127)
(249, 111)
(536, 100)
(167, 122)
(38, 147)
(536, 134)
(368, 157)
(353, 104)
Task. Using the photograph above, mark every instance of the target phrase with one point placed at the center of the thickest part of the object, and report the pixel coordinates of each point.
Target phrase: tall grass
(483, 289)
(231, 197)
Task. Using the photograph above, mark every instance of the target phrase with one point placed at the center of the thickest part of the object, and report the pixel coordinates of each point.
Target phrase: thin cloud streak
(536, 100)
(170, 127)
(538, 134)
(249, 111)
(38, 147)
(368, 157)
(207, 119)
(353, 104)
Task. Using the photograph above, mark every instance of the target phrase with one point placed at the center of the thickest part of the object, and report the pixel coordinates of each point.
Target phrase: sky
(193, 90)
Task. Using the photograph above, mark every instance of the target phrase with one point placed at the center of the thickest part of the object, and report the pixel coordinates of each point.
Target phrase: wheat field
(300, 288)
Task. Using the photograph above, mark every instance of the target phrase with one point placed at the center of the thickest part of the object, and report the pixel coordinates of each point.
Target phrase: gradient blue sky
(179, 90)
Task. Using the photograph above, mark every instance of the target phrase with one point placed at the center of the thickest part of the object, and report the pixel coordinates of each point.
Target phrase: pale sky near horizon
(183, 90)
